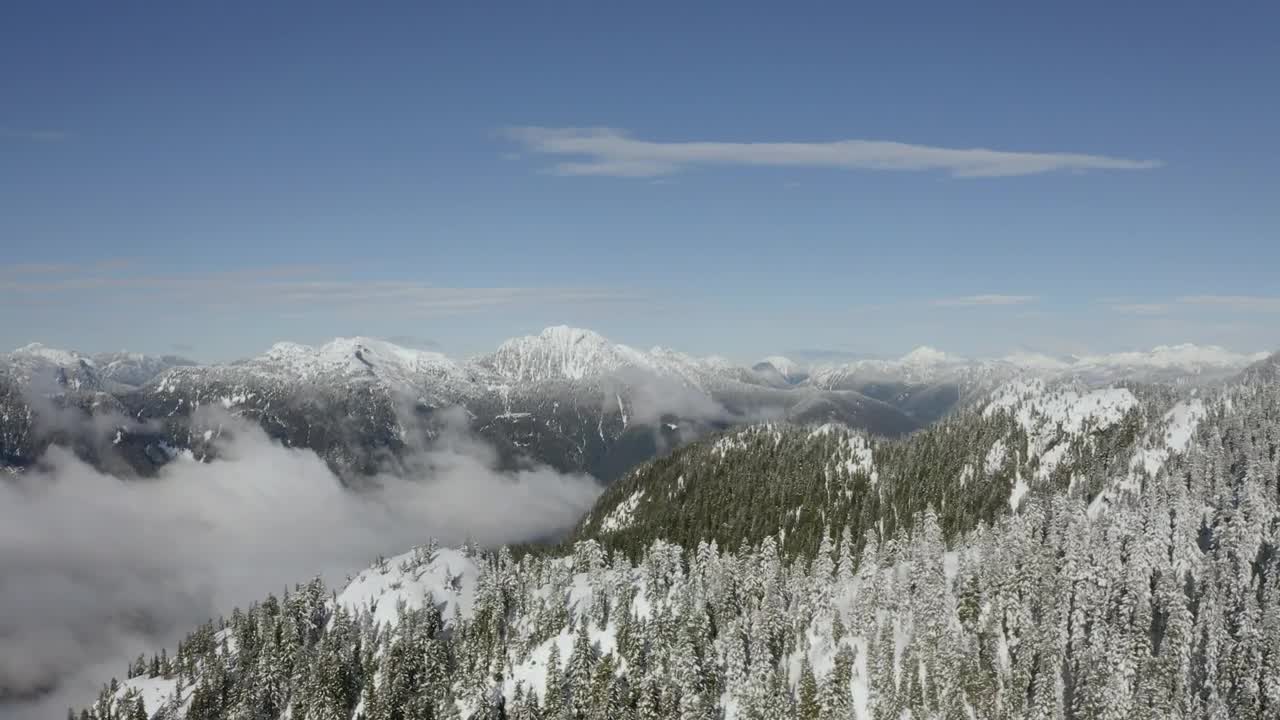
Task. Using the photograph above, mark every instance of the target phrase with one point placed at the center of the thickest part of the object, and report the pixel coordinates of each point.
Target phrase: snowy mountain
(563, 353)
(905, 581)
(921, 365)
(780, 371)
(1186, 362)
(565, 397)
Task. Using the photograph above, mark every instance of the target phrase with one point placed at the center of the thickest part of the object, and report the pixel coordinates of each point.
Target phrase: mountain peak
(561, 352)
(571, 335)
(925, 355)
(53, 355)
(784, 365)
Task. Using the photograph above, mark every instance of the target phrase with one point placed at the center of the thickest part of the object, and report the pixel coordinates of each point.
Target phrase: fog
(95, 569)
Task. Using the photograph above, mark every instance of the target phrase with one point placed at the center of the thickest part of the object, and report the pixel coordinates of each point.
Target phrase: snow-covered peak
(58, 357)
(925, 356)
(357, 356)
(784, 365)
(923, 364)
(562, 353)
(444, 577)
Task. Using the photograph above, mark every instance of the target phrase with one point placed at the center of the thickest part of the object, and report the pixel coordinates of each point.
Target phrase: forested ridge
(1149, 592)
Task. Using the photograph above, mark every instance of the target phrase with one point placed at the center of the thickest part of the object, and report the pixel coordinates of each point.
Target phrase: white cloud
(289, 289)
(1141, 308)
(614, 153)
(97, 569)
(985, 300)
(1256, 303)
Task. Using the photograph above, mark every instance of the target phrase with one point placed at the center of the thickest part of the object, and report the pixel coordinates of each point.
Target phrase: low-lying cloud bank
(95, 569)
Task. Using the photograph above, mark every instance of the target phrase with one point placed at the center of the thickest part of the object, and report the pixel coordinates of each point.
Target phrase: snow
(532, 671)
(1019, 490)
(1053, 419)
(1183, 420)
(155, 692)
(860, 458)
(445, 577)
(58, 357)
(925, 356)
(1171, 435)
(737, 441)
(995, 457)
(823, 430)
(358, 356)
(923, 364)
(789, 369)
(1039, 409)
(563, 353)
(927, 364)
(1189, 357)
(854, 454)
(621, 516)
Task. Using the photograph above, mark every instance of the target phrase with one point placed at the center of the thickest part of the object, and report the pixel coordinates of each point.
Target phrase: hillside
(1028, 438)
(1164, 602)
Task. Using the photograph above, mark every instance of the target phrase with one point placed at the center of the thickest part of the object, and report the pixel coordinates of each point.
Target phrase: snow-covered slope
(46, 370)
(922, 365)
(361, 357)
(1055, 419)
(572, 354)
(443, 577)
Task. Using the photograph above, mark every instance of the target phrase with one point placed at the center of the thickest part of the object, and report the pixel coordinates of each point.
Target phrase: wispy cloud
(1141, 308)
(29, 135)
(985, 300)
(292, 289)
(612, 152)
(1254, 303)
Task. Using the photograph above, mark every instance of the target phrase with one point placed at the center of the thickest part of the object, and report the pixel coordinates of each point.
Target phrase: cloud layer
(985, 300)
(612, 152)
(94, 569)
(286, 288)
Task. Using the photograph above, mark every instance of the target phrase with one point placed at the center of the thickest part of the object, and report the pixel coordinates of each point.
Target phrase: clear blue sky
(217, 176)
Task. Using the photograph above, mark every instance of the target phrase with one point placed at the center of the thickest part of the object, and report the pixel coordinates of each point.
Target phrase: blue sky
(718, 177)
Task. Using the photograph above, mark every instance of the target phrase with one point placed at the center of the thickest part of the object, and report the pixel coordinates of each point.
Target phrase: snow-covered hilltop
(930, 611)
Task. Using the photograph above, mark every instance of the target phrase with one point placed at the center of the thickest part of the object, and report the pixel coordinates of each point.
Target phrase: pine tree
(808, 707)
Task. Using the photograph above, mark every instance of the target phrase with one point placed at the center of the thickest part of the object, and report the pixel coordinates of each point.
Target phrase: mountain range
(1055, 549)
(565, 397)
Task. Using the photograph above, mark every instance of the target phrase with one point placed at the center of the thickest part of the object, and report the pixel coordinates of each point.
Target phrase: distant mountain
(780, 371)
(1186, 362)
(1266, 369)
(565, 397)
